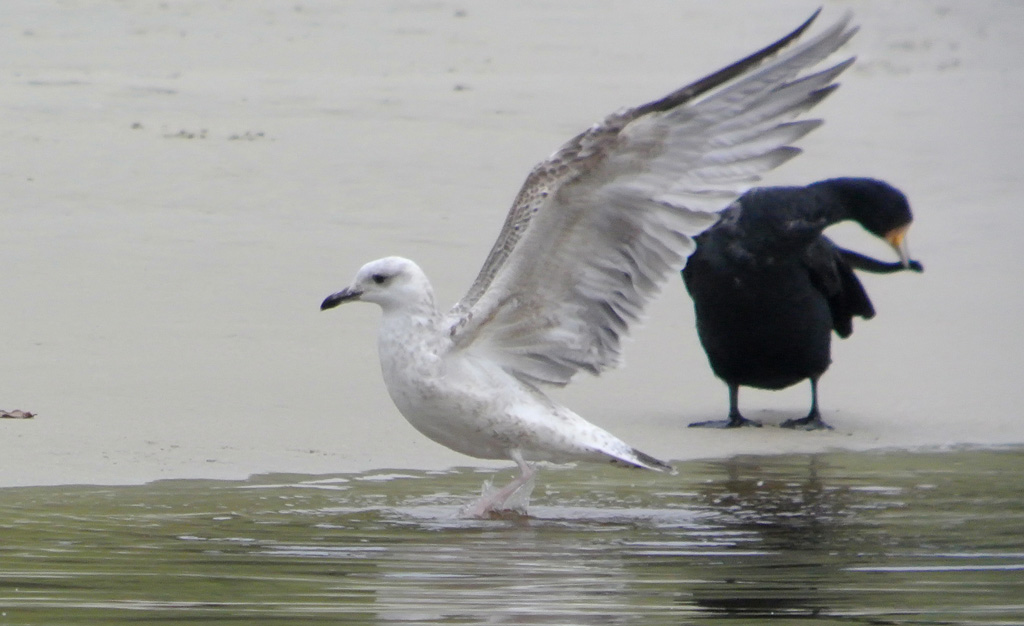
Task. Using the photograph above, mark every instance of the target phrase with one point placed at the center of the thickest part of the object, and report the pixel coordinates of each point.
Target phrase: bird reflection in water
(785, 531)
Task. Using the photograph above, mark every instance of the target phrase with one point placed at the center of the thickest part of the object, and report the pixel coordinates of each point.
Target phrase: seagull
(769, 288)
(591, 237)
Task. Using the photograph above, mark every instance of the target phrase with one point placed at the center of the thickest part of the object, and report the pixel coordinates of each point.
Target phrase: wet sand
(184, 182)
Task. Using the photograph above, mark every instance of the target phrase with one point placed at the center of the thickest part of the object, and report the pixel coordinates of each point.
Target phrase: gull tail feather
(639, 460)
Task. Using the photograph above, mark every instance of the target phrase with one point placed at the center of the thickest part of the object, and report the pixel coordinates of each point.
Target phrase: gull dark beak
(345, 295)
(897, 238)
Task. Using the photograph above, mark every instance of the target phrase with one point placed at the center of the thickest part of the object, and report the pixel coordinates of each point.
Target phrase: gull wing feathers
(599, 226)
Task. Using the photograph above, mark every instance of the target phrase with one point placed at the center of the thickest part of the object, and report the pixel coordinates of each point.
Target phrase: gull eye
(380, 279)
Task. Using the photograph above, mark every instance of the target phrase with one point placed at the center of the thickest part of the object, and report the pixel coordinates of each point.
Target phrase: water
(843, 538)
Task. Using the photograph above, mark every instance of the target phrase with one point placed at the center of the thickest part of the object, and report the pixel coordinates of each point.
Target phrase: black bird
(769, 288)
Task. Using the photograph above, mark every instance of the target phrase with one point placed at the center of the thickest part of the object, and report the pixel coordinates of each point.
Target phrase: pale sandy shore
(184, 181)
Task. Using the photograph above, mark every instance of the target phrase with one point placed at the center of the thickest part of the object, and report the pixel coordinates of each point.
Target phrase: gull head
(392, 282)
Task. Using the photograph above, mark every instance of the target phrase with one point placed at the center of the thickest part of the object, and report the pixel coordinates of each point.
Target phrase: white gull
(592, 235)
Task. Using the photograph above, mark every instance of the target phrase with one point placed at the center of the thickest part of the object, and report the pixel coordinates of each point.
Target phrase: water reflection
(894, 538)
(800, 526)
(509, 575)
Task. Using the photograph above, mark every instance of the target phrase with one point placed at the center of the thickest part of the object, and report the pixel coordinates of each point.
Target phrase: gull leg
(495, 501)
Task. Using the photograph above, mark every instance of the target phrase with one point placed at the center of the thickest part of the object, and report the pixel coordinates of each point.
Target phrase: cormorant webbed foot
(811, 422)
(734, 421)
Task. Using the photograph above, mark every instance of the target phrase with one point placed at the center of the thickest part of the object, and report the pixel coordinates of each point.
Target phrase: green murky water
(933, 538)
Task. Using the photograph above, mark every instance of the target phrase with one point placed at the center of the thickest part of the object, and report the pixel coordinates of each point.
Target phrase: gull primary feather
(591, 237)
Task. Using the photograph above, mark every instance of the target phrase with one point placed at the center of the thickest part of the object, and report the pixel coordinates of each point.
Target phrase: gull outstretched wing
(598, 227)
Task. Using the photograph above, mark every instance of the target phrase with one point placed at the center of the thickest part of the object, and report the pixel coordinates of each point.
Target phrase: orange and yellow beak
(897, 238)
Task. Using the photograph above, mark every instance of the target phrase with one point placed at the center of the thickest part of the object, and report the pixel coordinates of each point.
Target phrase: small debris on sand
(16, 414)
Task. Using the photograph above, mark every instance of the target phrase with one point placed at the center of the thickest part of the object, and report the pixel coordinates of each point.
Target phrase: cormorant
(769, 288)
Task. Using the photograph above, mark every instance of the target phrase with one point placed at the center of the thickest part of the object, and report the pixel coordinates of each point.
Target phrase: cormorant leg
(813, 419)
(735, 419)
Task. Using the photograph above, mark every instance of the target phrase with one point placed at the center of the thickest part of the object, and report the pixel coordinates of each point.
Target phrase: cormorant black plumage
(769, 288)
